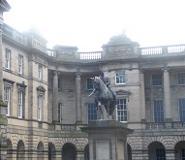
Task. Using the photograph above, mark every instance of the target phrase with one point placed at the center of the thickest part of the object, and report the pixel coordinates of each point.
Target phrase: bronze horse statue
(104, 97)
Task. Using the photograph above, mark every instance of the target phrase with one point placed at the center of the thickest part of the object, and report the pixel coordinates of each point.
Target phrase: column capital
(78, 74)
(165, 68)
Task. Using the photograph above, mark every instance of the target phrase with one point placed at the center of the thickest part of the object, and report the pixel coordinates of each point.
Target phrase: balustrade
(165, 125)
(90, 55)
(162, 50)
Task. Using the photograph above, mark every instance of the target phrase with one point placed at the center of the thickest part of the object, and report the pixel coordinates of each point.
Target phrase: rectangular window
(181, 78)
(20, 64)
(7, 58)
(156, 79)
(160, 154)
(20, 103)
(158, 111)
(120, 77)
(40, 107)
(92, 112)
(40, 72)
(7, 98)
(90, 84)
(182, 109)
(122, 111)
(60, 112)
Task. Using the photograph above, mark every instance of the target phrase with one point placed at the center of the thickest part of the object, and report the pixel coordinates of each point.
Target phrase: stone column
(170, 154)
(55, 96)
(142, 96)
(167, 94)
(78, 98)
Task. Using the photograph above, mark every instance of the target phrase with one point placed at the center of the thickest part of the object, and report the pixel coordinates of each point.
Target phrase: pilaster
(78, 98)
(55, 96)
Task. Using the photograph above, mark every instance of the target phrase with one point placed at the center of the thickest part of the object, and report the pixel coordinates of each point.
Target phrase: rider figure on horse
(104, 96)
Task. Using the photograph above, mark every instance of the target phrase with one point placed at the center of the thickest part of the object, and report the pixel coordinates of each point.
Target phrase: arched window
(40, 151)
(51, 152)
(68, 152)
(86, 152)
(20, 150)
(129, 152)
(180, 150)
(156, 151)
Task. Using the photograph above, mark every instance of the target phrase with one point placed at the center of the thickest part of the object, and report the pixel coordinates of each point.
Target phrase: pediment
(123, 92)
(41, 89)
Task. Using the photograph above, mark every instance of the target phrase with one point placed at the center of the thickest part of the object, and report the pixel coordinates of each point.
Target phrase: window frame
(178, 78)
(162, 114)
(59, 112)
(91, 115)
(40, 72)
(117, 77)
(181, 111)
(21, 64)
(8, 58)
(152, 79)
(40, 106)
(8, 101)
(88, 82)
(123, 115)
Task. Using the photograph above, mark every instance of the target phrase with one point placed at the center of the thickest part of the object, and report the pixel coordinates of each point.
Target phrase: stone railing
(165, 125)
(51, 52)
(162, 50)
(90, 55)
(66, 127)
(14, 35)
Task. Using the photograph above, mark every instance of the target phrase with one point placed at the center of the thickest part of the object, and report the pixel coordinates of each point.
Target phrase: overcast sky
(88, 24)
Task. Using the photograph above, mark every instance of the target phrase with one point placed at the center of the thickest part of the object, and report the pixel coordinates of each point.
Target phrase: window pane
(122, 110)
(92, 112)
(160, 154)
(181, 78)
(7, 98)
(156, 79)
(120, 77)
(20, 64)
(90, 84)
(182, 109)
(158, 111)
(7, 58)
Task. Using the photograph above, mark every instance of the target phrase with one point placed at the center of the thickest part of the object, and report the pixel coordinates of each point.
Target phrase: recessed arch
(20, 150)
(156, 150)
(69, 152)
(40, 151)
(51, 151)
(180, 150)
(129, 152)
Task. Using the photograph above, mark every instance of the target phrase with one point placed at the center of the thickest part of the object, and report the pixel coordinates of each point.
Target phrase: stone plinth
(107, 140)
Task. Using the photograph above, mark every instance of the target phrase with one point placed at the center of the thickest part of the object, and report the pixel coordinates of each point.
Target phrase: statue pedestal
(107, 140)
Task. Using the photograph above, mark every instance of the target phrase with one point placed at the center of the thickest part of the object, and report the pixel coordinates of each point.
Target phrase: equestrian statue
(105, 98)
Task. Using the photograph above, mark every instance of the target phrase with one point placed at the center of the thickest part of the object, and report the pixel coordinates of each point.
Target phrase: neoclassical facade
(47, 96)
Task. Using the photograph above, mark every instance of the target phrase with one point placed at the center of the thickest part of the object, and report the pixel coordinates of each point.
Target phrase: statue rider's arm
(94, 90)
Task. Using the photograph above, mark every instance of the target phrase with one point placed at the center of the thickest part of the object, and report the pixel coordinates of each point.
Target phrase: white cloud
(90, 23)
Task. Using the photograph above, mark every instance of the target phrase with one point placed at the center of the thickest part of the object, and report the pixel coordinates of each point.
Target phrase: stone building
(46, 92)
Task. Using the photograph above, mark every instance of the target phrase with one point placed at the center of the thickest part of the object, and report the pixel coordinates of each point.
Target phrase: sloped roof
(4, 5)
